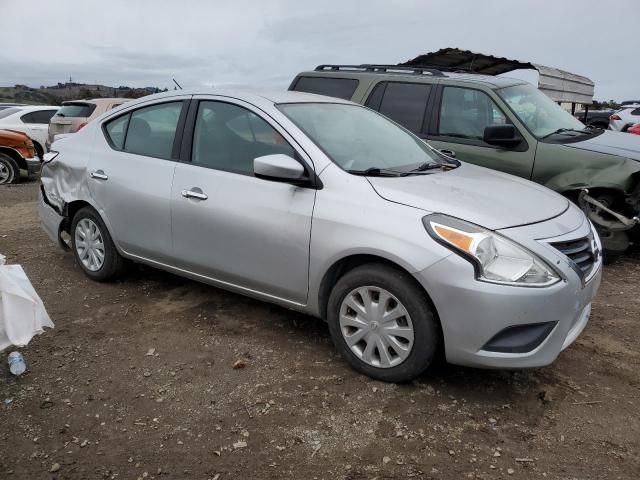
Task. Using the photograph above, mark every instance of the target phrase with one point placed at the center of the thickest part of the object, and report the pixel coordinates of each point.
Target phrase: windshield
(357, 138)
(76, 110)
(539, 113)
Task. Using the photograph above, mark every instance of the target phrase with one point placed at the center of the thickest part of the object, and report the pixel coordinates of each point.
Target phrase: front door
(130, 178)
(231, 226)
(458, 126)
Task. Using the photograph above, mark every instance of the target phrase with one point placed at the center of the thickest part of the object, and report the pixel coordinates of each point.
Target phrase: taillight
(615, 117)
(81, 125)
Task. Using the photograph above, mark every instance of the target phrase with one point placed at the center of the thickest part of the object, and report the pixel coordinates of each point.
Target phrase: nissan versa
(327, 207)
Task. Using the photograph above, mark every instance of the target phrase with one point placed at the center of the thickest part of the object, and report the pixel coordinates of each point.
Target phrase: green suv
(503, 124)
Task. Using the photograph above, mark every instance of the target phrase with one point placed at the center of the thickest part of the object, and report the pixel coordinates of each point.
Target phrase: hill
(56, 94)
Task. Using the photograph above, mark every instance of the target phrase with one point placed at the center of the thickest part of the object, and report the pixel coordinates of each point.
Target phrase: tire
(9, 170)
(420, 317)
(87, 222)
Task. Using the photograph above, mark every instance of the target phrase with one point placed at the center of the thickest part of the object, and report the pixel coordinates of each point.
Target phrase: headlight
(496, 259)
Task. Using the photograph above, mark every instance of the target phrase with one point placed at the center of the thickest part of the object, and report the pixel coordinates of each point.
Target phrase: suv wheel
(93, 247)
(9, 170)
(382, 323)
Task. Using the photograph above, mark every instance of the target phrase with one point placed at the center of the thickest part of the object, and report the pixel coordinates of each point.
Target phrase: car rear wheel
(9, 170)
(382, 323)
(93, 247)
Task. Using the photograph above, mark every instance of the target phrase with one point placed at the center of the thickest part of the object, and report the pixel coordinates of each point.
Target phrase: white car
(31, 120)
(624, 118)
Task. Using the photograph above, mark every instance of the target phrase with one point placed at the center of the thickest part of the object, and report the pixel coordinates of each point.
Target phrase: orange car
(16, 153)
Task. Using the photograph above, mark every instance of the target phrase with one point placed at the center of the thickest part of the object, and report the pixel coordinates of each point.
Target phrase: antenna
(174, 81)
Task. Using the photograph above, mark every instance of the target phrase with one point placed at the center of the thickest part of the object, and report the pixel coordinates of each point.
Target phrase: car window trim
(186, 148)
(436, 136)
(175, 147)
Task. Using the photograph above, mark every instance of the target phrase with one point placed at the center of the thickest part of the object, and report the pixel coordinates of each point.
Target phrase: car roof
(488, 80)
(97, 101)
(251, 95)
(31, 108)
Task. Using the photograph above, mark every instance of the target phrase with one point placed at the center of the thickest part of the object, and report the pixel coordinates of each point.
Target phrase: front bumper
(472, 313)
(34, 165)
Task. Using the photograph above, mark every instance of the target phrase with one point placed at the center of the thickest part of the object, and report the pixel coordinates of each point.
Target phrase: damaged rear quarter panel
(563, 169)
(65, 178)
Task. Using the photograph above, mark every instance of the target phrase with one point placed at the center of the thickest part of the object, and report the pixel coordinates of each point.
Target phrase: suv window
(38, 117)
(465, 113)
(229, 137)
(151, 130)
(332, 87)
(404, 103)
(76, 110)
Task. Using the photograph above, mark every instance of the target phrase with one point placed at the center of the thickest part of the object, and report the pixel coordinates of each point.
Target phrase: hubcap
(5, 173)
(376, 327)
(89, 245)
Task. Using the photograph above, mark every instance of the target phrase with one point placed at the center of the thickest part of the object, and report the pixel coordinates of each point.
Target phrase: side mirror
(278, 167)
(501, 136)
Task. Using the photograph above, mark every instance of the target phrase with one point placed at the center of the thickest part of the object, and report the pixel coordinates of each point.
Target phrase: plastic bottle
(17, 365)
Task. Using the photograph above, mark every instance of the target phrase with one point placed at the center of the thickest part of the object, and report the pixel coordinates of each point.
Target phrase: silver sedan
(329, 208)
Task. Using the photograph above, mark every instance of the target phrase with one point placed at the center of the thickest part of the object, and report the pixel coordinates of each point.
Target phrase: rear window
(332, 87)
(76, 110)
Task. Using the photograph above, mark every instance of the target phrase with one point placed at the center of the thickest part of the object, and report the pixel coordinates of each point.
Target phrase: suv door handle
(194, 193)
(448, 153)
(99, 175)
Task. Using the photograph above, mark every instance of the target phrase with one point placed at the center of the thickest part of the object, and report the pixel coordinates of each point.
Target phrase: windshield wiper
(376, 172)
(563, 130)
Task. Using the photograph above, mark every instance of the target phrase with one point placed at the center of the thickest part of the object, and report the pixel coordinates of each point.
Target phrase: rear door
(131, 172)
(457, 124)
(229, 225)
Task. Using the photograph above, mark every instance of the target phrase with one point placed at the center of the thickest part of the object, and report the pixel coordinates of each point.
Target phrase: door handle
(448, 153)
(194, 194)
(99, 175)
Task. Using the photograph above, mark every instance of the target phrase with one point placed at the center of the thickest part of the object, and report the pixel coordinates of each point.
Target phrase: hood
(485, 197)
(612, 143)
(13, 136)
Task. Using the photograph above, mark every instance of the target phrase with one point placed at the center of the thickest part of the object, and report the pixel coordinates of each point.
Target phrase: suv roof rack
(373, 68)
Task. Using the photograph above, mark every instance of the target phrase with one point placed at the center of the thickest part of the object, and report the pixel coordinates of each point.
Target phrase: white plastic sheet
(22, 313)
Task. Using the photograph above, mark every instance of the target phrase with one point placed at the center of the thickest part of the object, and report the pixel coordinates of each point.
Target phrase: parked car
(17, 152)
(624, 118)
(74, 115)
(507, 125)
(31, 120)
(595, 118)
(326, 207)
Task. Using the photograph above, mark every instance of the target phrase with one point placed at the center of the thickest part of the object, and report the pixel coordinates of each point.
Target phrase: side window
(404, 103)
(151, 130)
(116, 130)
(636, 111)
(332, 87)
(38, 117)
(228, 137)
(464, 113)
(28, 118)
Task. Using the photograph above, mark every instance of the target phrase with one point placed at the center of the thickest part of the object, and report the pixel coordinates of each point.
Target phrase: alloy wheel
(89, 245)
(5, 173)
(376, 327)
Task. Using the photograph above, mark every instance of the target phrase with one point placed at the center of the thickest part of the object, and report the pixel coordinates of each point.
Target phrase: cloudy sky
(265, 43)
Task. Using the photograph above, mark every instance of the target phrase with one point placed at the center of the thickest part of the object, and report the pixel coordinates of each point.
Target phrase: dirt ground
(136, 381)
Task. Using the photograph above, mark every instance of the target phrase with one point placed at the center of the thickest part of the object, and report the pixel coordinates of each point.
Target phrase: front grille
(580, 251)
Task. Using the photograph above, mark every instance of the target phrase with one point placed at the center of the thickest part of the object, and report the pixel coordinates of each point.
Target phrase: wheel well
(15, 156)
(344, 265)
(70, 211)
(39, 148)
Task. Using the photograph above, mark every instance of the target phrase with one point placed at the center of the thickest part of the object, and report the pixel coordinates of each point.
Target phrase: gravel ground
(137, 381)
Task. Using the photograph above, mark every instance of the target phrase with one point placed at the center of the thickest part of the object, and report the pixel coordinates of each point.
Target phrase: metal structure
(560, 85)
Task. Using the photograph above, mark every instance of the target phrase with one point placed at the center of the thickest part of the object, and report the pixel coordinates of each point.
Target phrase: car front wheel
(382, 323)
(9, 170)
(93, 247)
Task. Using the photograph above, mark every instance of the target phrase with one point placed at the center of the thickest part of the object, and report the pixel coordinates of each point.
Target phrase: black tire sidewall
(13, 167)
(414, 299)
(112, 260)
